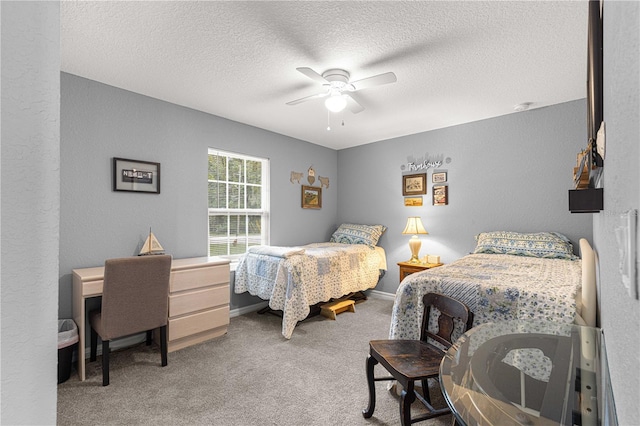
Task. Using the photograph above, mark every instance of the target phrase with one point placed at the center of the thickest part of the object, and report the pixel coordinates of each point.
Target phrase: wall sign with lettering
(136, 176)
(424, 163)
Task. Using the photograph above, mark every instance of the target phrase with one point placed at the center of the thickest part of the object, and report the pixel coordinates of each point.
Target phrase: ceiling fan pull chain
(328, 120)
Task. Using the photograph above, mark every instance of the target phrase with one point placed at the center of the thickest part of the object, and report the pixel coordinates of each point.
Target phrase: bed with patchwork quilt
(511, 282)
(294, 278)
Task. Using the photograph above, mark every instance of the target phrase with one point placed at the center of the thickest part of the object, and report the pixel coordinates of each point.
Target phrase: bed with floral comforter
(294, 278)
(495, 287)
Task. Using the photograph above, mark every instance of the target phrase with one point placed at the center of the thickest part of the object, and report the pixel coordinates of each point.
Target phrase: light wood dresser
(198, 302)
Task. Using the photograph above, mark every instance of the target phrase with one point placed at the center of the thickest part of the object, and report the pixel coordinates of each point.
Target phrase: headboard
(589, 293)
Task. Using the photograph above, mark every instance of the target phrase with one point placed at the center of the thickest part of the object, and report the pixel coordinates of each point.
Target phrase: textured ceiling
(455, 61)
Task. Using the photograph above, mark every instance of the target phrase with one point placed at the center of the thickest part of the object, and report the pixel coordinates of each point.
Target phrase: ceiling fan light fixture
(335, 103)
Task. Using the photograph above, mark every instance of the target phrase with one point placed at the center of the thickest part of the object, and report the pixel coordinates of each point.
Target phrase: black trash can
(67, 341)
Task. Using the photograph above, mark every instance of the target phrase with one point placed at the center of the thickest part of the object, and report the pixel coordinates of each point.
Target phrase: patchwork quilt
(313, 273)
(495, 287)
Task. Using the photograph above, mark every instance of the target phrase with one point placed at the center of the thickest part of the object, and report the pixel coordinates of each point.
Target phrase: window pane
(217, 167)
(255, 230)
(254, 172)
(217, 195)
(217, 226)
(236, 196)
(218, 235)
(236, 170)
(254, 198)
(237, 234)
(218, 248)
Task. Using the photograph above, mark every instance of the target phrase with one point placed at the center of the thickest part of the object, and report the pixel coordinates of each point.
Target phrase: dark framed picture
(439, 177)
(414, 184)
(311, 197)
(136, 176)
(440, 195)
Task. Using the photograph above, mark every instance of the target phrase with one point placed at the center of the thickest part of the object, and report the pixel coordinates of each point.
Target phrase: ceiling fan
(339, 90)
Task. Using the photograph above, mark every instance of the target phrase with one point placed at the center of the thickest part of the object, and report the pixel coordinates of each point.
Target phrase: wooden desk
(198, 302)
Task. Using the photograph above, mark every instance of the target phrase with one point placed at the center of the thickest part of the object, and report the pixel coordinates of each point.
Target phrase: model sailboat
(151, 246)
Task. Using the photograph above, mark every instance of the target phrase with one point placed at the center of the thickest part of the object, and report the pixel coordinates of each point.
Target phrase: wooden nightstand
(407, 268)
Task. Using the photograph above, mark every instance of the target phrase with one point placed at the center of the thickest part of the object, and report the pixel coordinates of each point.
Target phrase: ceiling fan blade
(376, 80)
(312, 74)
(308, 98)
(352, 104)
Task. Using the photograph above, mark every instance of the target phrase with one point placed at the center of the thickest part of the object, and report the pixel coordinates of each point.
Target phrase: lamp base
(414, 245)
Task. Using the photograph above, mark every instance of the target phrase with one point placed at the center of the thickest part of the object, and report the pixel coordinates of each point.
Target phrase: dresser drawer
(92, 288)
(198, 277)
(199, 322)
(193, 301)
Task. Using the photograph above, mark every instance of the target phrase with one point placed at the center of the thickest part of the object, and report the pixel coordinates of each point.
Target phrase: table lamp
(415, 227)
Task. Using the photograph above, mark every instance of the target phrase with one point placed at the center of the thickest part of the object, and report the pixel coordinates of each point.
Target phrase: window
(238, 203)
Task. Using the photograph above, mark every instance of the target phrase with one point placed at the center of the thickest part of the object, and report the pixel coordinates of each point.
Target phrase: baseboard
(118, 344)
(382, 295)
(247, 309)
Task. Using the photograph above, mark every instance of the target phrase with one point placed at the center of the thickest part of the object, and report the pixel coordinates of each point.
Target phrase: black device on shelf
(588, 200)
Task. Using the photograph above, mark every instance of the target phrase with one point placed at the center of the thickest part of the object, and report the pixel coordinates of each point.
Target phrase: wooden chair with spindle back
(409, 361)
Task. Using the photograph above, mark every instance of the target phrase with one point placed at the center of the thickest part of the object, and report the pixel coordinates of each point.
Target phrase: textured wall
(30, 210)
(100, 122)
(619, 314)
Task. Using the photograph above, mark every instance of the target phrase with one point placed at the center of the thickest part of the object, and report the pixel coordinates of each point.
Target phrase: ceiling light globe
(335, 103)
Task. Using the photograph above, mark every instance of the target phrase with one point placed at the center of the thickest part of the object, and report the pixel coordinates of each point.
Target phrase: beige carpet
(251, 376)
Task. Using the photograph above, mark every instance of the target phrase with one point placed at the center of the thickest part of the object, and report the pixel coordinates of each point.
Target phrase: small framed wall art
(311, 197)
(413, 201)
(439, 177)
(414, 184)
(440, 195)
(136, 176)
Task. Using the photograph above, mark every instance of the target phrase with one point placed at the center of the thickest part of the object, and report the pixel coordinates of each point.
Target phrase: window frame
(263, 212)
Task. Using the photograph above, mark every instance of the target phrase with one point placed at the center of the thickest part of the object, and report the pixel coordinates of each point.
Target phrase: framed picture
(439, 177)
(414, 184)
(136, 176)
(413, 201)
(311, 197)
(440, 195)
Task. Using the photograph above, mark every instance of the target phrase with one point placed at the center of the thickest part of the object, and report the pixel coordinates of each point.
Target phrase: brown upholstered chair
(134, 299)
(411, 360)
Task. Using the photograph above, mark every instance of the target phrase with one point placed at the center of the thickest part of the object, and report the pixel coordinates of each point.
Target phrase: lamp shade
(414, 226)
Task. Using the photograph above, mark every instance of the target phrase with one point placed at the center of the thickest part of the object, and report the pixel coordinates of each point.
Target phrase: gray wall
(620, 314)
(30, 210)
(100, 122)
(505, 173)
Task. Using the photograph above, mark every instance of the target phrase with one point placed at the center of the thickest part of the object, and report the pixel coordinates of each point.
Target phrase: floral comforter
(320, 272)
(495, 287)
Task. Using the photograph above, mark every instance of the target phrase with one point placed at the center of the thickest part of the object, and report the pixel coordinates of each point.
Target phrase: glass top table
(527, 373)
